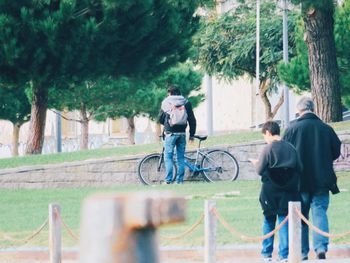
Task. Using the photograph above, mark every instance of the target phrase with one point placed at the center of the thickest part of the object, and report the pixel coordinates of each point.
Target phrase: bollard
(209, 232)
(294, 233)
(122, 227)
(55, 233)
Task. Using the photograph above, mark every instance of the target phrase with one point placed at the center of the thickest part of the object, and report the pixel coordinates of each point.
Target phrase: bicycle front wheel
(151, 169)
(219, 165)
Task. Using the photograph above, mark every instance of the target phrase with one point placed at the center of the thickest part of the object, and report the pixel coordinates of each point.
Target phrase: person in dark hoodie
(175, 134)
(279, 168)
(318, 146)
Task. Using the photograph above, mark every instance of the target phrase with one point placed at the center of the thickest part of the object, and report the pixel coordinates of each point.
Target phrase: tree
(296, 72)
(145, 97)
(324, 74)
(227, 47)
(14, 107)
(90, 99)
(55, 43)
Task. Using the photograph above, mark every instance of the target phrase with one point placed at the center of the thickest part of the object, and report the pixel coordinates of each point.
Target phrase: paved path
(340, 260)
(226, 254)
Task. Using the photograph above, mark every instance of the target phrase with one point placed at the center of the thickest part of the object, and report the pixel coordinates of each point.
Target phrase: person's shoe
(179, 182)
(166, 182)
(283, 260)
(321, 255)
(268, 259)
(304, 258)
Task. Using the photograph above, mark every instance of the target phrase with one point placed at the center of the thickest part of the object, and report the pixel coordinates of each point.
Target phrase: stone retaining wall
(117, 171)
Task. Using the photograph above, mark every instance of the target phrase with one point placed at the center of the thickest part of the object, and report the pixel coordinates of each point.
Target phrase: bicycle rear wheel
(151, 169)
(219, 165)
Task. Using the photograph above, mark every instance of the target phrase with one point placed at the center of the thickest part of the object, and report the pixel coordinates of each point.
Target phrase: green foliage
(342, 38)
(139, 97)
(296, 72)
(92, 95)
(227, 44)
(76, 40)
(14, 105)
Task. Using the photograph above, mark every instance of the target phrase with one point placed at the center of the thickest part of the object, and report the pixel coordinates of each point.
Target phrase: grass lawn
(23, 211)
(122, 151)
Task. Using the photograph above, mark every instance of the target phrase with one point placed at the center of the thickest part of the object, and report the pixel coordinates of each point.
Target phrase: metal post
(209, 232)
(209, 84)
(285, 59)
(58, 132)
(257, 69)
(55, 234)
(294, 233)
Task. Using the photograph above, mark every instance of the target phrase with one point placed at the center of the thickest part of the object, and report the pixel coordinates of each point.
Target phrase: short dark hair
(174, 90)
(272, 127)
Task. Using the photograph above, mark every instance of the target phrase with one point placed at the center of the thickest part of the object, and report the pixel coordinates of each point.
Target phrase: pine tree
(52, 44)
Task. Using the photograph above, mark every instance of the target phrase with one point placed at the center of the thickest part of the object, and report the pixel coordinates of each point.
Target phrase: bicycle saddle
(201, 138)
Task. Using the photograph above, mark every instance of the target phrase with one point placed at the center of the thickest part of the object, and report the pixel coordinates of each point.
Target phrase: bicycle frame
(211, 165)
(194, 167)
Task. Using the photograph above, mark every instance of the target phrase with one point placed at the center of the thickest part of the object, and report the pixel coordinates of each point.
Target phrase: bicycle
(215, 165)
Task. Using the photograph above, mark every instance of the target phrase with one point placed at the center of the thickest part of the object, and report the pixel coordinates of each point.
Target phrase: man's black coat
(318, 146)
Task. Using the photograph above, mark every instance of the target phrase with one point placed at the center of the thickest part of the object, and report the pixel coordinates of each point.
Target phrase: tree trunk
(37, 119)
(269, 112)
(263, 90)
(15, 138)
(325, 87)
(267, 105)
(131, 130)
(84, 122)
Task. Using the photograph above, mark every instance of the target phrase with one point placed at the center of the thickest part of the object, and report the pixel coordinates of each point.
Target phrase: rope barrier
(232, 230)
(69, 230)
(27, 239)
(321, 232)
(193, 227)
(220, 218)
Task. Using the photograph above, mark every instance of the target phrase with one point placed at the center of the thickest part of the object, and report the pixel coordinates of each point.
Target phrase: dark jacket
(318, 146)
(279, 168)
(163, 117)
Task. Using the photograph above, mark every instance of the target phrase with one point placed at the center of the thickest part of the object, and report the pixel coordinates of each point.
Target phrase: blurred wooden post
(122, 227)
(294, 233)
(209, 232)
(55, 233)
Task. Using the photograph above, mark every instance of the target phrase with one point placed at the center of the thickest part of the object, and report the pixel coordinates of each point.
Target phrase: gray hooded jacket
(166, 106)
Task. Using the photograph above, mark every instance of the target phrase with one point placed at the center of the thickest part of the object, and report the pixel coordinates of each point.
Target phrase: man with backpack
(175, 113)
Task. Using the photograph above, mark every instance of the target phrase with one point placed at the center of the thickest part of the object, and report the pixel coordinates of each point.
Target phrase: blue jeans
(319, 204)
(172, 141)
(267, 244)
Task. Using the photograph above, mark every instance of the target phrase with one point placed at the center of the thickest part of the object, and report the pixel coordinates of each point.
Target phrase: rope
(193, 227)
(314, 228)
(232, 230)
(69, 231)
(27, 239)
